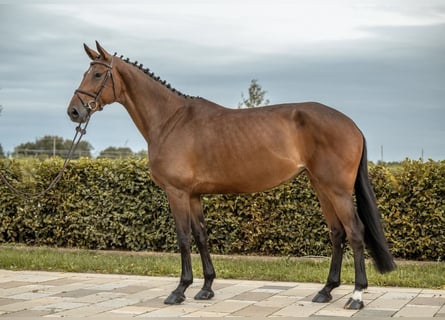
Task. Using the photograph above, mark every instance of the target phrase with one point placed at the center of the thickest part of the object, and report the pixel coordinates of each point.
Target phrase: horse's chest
(169, 170)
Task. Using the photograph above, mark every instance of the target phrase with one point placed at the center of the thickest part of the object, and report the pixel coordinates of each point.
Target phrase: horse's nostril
(74, 113)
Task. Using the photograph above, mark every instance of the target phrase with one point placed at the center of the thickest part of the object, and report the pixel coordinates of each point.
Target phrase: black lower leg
(177, 296)
(361, 281)
(200, 234)
(206, 292)
(333, 281)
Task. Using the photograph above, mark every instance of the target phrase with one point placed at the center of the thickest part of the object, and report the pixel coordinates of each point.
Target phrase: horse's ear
(90, 52)
(104, 54)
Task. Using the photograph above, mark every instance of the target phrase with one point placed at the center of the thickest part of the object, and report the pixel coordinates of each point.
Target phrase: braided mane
(154, 77)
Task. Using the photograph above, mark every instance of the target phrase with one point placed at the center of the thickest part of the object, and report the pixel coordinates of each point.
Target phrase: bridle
(97, 106)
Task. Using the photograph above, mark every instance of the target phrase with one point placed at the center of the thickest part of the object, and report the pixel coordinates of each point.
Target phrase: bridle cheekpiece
(93, 105)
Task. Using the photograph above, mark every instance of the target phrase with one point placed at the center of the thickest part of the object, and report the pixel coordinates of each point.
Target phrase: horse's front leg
(201, 239)
(180, 206)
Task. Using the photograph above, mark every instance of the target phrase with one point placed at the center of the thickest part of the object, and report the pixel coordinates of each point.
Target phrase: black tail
(370, 216)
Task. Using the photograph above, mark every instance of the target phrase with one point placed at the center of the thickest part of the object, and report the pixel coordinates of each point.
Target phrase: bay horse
(199, 147)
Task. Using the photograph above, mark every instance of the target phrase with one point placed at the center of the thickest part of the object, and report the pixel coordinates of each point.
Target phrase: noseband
(93, 105)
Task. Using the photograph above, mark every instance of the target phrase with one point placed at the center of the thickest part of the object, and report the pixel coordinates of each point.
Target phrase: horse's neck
(149, 103)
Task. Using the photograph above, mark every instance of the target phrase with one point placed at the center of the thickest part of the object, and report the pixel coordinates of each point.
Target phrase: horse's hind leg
(343, 221)
(337, 236)
(344, 208)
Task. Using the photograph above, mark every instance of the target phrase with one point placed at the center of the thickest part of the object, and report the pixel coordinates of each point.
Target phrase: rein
(80, 132)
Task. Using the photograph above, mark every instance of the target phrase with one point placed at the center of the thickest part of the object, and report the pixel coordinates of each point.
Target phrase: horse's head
(98, 87)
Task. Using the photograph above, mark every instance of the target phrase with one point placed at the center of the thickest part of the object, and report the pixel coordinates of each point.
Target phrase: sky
(381, 62)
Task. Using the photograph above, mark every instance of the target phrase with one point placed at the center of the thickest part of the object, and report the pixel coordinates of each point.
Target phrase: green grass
(408, 274)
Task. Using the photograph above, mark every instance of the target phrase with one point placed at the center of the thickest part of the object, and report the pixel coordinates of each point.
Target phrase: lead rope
(80, 132)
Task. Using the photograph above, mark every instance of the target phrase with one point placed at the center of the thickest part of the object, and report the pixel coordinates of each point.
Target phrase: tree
(116, 153)
(50, 146)
(256, 96)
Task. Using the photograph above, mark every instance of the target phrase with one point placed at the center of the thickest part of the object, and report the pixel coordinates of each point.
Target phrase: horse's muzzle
(77, 113)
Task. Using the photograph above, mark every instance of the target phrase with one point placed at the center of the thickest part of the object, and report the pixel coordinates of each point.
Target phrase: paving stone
(133, 310)
(60, 306)
(6, 301)
(130, 289)
(165, 312)
(98, 297)
(219, 284)
(417, 311)
(428, 301)
(206, 314)
(99, 316)
(392, 300)
(275, 288)
(14, 284)
(299, 309)
(109, 286)
(28, 304)
(277, 301)
(26, 314)
(30, 295)
(60, 282)
(252, 296)
(372, 294)
(152, 303)
(117, 303)
(228, 306)
(146, 294)
(38, 276)
(231, 291)
(255, 311)
(433, 292)
(23, 289)
(299, 292)
(375, 313)
(77, 293)
(89, 311)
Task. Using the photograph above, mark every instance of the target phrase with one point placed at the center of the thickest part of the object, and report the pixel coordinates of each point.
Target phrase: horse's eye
(98, 74)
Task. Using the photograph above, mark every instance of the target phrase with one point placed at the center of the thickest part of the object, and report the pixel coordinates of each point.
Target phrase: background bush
(113, 204)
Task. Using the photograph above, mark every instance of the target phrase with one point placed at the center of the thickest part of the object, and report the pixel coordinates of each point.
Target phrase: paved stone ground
(36, 295)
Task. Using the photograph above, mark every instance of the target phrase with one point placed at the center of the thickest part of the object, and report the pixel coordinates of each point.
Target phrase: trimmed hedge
(113, 204)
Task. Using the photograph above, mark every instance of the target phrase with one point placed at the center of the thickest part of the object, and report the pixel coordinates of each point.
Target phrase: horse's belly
(254, 176)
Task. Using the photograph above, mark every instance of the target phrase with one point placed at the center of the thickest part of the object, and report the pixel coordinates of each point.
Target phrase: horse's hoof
(175, 298)
(322, 297)
(353, 304)
(204, 294)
